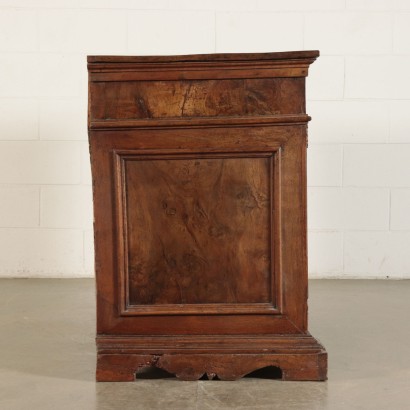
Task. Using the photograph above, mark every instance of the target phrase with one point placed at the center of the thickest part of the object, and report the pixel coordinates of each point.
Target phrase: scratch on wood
(186, 95)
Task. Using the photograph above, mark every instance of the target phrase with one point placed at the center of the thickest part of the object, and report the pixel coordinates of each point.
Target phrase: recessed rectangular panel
(198, 229)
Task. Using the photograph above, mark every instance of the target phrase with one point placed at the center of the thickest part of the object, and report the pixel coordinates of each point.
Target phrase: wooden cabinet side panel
(292, 143)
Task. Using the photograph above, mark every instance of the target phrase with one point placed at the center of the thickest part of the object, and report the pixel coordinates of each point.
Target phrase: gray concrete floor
(47, 354)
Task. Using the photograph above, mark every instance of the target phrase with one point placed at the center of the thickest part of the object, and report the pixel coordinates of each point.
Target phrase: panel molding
(273, 307)
(200, 122)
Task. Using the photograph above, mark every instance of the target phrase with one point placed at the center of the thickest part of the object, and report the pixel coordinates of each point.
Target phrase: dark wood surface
(243, 57)
(198, 229)
(199, 183)
(197, 98)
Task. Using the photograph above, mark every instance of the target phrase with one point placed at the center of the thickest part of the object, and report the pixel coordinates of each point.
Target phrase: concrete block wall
(358, 96)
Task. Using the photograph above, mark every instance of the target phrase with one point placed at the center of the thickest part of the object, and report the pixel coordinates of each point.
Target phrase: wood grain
(212, 58)
(196, 98)
(198, 230)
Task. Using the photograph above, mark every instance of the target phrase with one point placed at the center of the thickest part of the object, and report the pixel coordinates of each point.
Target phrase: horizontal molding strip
(269, 343)
(201, 122)
(200, 67)
(212, 73)
(203, 58)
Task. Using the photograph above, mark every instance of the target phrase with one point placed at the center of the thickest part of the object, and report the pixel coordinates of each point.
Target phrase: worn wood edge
(205, 57)
(202, 122)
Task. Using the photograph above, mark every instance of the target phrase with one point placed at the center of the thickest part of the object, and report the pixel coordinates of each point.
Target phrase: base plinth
(229, 358)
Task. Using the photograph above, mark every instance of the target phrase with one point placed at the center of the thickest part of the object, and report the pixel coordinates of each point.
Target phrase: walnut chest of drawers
(199, 184)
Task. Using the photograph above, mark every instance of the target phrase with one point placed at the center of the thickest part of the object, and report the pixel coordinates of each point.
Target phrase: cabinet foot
(306, 362)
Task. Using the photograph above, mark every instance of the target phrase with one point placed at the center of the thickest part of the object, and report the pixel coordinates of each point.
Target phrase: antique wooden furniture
(199, 180)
